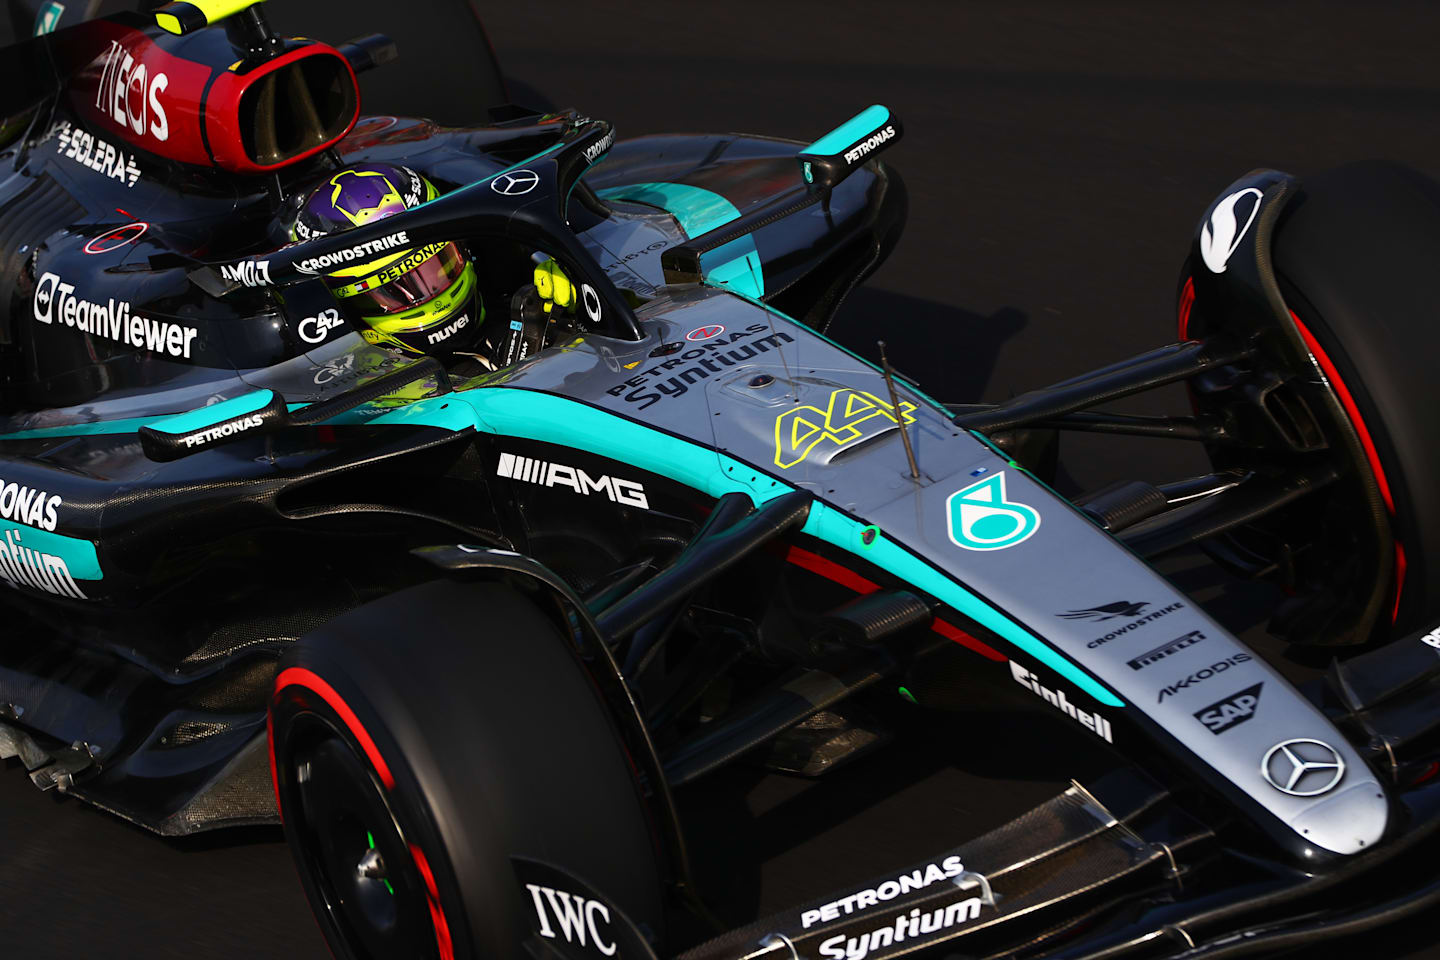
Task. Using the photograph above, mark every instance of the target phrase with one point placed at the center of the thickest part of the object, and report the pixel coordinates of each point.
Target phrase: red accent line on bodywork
(300, 677)
(123, 78)
(127, 86)
(432, 898)
(1187, 300)
(1347, 400)
(846, 577)
(830, 570)
(951, 632)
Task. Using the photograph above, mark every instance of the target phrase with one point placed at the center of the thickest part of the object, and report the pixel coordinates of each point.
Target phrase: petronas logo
(980, 517)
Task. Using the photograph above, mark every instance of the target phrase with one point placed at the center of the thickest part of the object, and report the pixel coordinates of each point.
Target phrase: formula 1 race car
(480, 625)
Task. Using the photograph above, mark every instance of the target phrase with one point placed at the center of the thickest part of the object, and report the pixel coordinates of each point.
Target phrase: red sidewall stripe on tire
(300, 677)
(1187, 300)
(1399, 579)
(432, 898)
(1347, 400)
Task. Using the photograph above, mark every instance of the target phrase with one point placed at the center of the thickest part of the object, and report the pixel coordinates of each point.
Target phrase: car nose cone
(1350, 822)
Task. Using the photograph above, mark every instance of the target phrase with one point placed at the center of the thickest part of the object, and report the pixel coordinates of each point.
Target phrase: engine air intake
(296, 109)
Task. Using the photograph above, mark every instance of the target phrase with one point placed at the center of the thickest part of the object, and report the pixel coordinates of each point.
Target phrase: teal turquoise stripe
(215, 413)
(858, 127)
(103, 427)
(698, 211)
(739, 268)
(79, 555)
(126, 425)
(569, 423)
(543, 416)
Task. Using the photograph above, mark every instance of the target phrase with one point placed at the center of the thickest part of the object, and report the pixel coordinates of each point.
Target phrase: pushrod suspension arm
(1203, 429)
(767, 717)
(1231, 508)
(1177, 361)
(715, 549)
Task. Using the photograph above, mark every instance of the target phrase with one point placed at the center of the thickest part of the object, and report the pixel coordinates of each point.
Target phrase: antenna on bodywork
(899, 414)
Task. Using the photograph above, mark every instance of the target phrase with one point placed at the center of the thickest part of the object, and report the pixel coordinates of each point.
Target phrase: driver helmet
(420, 299)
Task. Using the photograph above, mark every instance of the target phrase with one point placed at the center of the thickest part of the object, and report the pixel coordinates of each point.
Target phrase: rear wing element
(825, 164)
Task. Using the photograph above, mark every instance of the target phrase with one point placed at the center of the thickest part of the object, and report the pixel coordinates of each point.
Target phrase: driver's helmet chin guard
(419, 299)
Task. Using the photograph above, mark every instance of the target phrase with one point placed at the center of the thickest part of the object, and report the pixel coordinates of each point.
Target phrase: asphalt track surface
(1058, 156)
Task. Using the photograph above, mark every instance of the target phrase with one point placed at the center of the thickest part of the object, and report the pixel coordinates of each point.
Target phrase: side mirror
(832, 158)
(265, 411)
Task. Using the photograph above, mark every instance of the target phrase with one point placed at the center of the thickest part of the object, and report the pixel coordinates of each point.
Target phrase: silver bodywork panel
(772, 393)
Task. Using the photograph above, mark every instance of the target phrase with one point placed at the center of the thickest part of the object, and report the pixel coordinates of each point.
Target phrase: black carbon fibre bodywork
(202, 463)
(104, 236)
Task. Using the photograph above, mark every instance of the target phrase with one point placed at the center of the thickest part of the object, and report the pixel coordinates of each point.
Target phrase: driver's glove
(554, 287)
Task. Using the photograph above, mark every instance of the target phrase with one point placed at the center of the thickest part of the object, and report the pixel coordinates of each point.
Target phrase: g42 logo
(316, 329)
(979, 517)
(849, 416)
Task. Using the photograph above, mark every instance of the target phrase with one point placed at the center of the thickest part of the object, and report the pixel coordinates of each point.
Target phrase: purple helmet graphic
(419, 299)
(357, 195)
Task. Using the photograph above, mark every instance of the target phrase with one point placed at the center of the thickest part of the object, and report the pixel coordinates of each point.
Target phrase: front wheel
(1351, 254)
(1354, 255)
(452, 784)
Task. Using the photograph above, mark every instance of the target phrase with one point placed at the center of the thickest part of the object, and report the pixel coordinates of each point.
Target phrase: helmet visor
(407, 283)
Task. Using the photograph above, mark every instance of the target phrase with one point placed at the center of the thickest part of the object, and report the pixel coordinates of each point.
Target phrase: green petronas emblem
(980, 517)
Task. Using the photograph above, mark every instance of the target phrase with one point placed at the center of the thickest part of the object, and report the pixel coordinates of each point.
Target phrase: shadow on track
(949, 351)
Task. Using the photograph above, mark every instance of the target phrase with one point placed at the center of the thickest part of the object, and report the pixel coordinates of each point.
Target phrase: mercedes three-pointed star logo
(1287, 765)
(515, 182)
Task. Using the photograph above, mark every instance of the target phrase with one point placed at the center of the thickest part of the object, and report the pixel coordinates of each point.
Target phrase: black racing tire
(451, 728)
(1354, 253)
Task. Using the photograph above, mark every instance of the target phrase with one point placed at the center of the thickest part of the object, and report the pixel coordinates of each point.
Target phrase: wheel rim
(353, 855)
